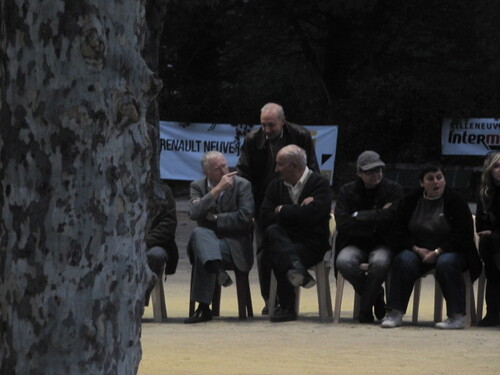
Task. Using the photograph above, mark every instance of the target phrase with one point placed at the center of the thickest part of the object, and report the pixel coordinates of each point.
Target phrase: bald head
(272, 119)
(291, 163)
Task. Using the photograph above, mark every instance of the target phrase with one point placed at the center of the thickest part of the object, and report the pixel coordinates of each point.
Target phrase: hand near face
(226, 182)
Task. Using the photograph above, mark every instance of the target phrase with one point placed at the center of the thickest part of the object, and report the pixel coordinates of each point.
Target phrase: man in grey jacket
(223, 206)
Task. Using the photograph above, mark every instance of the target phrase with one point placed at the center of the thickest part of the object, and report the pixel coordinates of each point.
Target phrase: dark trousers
(263, 264)
(283, 254)
(489, 249)
(407, 267)
(157, 258)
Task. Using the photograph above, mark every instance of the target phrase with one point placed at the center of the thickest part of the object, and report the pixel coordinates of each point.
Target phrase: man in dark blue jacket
(363, 214)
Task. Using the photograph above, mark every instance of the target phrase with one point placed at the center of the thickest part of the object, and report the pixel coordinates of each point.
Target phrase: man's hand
(427, 256)
(306, 201)
(225, 182)
(387, 205)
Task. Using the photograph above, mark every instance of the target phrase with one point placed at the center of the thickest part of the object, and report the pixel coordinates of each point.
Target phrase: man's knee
(157, 259)
(380, 261)
(406, 259)
(448, 262)
(272, 231)
(348, 259)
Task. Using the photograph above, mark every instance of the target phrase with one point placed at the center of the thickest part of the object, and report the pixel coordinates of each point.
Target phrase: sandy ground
(306, 346)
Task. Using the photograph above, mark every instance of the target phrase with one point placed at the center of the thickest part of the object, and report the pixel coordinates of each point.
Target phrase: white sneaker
(453, 322)
(392, 319)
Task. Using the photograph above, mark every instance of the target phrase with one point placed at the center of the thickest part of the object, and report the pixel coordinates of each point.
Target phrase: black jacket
(308, 224)
(162, 230)
(254, 158)
(491, 220)
(457, 212)
(371, 225)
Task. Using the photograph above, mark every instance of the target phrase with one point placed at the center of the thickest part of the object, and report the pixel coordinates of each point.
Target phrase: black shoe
(365, 317)
(295, 277)
(298, 276)
(379, 306)
(490, 320)
(265, 309)
(309, 281)
(283, 314)
(224, 279)
(200, 315)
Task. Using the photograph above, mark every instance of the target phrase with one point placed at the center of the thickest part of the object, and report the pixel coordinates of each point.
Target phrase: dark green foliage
(387, 72)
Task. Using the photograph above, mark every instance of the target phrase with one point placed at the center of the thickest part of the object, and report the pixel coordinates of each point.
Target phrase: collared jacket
(162, 230)
(254, 158)
(234, 210)
(306, 224)
(457, 212)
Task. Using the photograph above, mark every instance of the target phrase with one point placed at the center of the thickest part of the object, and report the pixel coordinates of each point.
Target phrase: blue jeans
(368, 285)
(407, 267)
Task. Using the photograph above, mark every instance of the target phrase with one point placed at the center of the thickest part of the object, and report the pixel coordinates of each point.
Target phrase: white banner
(474, 136)
(182, 146)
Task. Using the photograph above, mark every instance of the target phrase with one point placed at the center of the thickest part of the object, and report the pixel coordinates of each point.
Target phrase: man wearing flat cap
(363, 213)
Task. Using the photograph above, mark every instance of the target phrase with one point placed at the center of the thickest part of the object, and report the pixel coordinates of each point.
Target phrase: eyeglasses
(373, 171)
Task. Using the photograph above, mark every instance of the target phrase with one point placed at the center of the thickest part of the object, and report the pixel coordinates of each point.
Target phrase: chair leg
(158, 301)
(216, 300)
(323, 291)
(481, 284)
(438, 302)
(338, 297)
(416, 300)
(243, 294)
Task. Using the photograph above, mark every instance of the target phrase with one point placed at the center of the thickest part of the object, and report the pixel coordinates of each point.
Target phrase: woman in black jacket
(434, 229)
(488, 229)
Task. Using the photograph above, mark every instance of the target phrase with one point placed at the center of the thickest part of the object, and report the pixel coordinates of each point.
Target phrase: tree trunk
(74, 175)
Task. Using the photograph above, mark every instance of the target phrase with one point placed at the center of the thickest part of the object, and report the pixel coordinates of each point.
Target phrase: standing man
(257, 164)
(363, 215)
(223, 206)
(295, 217)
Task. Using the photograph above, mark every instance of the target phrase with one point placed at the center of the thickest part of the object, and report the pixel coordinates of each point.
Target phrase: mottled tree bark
(74, 172)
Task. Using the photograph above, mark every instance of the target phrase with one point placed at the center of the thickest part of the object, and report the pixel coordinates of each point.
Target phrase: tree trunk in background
(74, 176)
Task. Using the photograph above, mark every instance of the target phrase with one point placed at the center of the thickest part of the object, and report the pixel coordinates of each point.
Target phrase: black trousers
(282, 253)
(489, 249)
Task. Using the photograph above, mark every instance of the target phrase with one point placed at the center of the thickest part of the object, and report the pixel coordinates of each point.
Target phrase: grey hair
(296, 154)
(207, 156)
(275, 108)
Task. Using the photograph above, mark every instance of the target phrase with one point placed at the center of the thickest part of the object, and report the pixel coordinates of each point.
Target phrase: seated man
(295, 216)
(363, 214)
(162, 253)
(222, 204)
